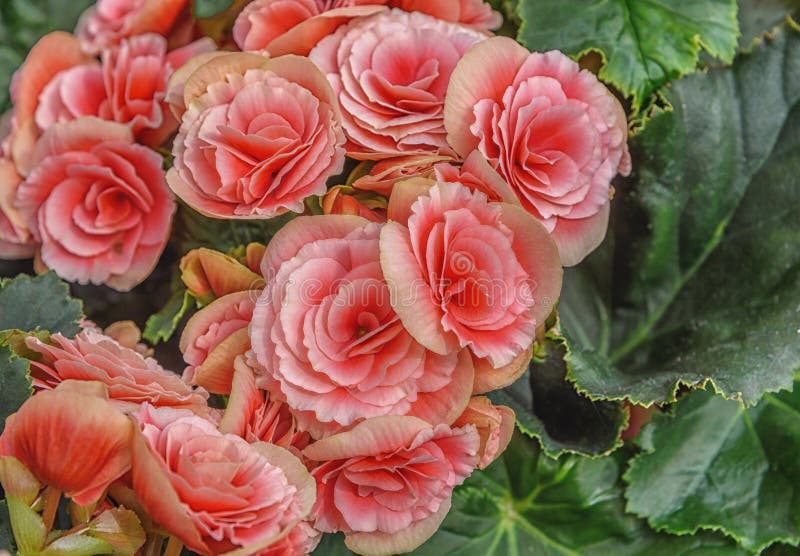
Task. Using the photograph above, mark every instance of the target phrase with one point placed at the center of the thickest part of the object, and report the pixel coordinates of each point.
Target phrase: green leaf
(15, 383)
(162, 325)
(716, 464)
(703, 262)
(757, 17)
(40, 303)
(645, 43)
(549, 408)
(527, 504)
(22, 23)
(209, 8)
(6, 534)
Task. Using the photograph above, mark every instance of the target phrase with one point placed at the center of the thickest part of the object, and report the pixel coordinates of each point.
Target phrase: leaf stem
(52, 497)
(174, 547)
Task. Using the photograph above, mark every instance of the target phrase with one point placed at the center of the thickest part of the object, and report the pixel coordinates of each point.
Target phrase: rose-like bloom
(109, 21)
(53, 54)
(135, 75)
(295, 26)
(390, 73)
(98, 203)
(130, 378)
(254, 417)
(495, 426)
(71, 439)
(209, 274)
(467, 272)
(551, 130)
(381, 176)
(387, 483)
(329, 342)
(476, 174)
(16, 240)
(259, 136)
(214, 337)
(472, 13)
(214, 491)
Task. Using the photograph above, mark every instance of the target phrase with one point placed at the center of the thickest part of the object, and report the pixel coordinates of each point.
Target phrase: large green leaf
(15, 383)
(548, 406)
(6, 534)
(645, 43)
(716, 464)
(708, 285)
(527, 504)
(38, 303)
(22, 22)
(757, 17)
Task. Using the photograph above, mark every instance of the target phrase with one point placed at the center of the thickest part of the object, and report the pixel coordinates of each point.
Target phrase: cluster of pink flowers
(353, 350)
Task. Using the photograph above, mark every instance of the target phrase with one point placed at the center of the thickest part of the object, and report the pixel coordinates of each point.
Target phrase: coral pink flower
(98, 203)
(135, 75)
(472, 13)
(71, 439)
(390, 73)
(332, 346)
(387, 483)
(553, 131)
(295, 26)
(54, 53)
(131, 379)
(109, 21)
(476, 174)
(470, 273)
(343, 199)
(495, 426)
(259, 136)
(214, 337)
(302, 539)
(15, 237)
(254, 417)
(214, 491)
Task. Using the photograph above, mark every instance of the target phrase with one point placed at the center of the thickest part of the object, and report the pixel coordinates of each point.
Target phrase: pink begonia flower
(472, 13)
(213, 491)
(209, 274)
(256, 417)
(258, 136)
(53, 54)
(214, 337)
(550, 129)
(135, 75)
(71, 439)
(16, 241)
(130, 378)
(344, 199)
(495, 426)
(97, 202)
(387, 483)
(329, 342)
(469, 273)
(295, 26)
(390, 73)
(109, 21)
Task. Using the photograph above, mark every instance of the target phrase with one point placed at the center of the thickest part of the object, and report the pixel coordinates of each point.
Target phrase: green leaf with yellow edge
(700, 279)
(15, 383)
(644, 43)
(39, 303)
(549, 408)
(716, 464)
(529, 504)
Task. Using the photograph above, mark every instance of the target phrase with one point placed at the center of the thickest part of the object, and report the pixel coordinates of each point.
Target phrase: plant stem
(174, 547)
(52, 497)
